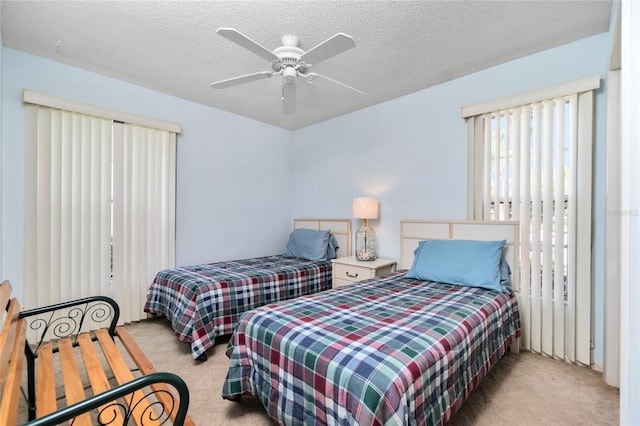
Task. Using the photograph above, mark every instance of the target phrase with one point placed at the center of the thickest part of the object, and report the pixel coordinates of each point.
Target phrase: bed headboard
(340, 228)
(414, 231)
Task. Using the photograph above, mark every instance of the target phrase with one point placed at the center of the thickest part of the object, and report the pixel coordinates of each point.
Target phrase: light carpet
(522, 389)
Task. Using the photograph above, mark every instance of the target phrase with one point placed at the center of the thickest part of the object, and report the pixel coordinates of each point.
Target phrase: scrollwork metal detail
(148, 411)
(70, 322)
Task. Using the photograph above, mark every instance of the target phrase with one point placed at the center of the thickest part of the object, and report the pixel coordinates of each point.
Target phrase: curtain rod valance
(551, 92)
(36, 98)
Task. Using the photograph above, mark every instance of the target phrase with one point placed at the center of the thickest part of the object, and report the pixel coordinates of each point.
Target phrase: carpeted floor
(522, 389)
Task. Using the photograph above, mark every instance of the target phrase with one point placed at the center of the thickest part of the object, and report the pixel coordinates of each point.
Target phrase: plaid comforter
(205, 301)
(387, 351)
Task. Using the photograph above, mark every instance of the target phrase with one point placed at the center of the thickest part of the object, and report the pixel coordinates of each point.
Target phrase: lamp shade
(365, 208)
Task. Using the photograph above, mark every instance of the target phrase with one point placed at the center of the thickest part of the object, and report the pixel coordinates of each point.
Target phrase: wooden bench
(102, 376)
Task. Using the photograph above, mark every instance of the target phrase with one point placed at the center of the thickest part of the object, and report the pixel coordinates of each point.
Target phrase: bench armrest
(108, 400)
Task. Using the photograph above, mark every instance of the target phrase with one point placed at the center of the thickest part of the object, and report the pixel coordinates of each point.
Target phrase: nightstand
(347, 270)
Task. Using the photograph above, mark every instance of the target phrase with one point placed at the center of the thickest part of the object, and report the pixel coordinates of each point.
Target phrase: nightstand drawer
(351, 272)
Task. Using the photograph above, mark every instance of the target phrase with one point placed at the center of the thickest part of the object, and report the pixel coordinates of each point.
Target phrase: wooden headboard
(340, 228)
(414, 231)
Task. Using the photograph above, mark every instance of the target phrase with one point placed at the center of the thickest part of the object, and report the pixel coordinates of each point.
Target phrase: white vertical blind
(93, 186)
(535, 159)
(67, 202)
(144, 200)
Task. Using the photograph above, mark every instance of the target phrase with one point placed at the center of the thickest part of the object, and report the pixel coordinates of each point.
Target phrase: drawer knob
(352, 275)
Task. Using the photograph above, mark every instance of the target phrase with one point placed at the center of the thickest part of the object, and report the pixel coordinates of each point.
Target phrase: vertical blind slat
(495, 183)
(73, 287)
(486, 182)
(169, 183)
(66, 210)
(85, 214)
(106, 157)
(505, 165)
(583, 230)
(515, 147)
(138, 202)
(547, 231)
(141, 229)
(30, 205)
(525, 226)
(44, 249)
(119, 246)
(536, 211)
(571, 230)
(559, 233)
(56, 173)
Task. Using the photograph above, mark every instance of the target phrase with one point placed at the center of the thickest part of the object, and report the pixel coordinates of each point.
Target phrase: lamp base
(365, 256)
(365, 243)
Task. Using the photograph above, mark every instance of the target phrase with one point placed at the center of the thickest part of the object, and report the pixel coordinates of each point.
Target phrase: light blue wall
(233, 179)
(411, 152)
(240, 182)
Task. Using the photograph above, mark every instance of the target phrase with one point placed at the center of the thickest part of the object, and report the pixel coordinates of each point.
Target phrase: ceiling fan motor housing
(289, 55)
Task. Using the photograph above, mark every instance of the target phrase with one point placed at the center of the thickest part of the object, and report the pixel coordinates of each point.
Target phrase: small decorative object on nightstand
(365, 208)
(347, 270)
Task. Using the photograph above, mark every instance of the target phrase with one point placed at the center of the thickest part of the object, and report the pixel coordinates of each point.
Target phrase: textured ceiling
(401, 46)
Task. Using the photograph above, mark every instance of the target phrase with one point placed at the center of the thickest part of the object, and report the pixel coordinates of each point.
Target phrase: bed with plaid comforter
(205, 301)
(386, 351)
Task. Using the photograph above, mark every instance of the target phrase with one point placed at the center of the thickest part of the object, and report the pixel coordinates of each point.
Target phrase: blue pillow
(505, 271)
(308, 244)
(461, 262)
(332, 248)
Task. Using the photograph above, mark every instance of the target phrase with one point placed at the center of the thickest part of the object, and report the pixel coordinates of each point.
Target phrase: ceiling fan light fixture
(289, 75)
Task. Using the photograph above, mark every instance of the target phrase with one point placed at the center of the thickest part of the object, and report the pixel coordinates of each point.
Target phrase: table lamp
(365, 208)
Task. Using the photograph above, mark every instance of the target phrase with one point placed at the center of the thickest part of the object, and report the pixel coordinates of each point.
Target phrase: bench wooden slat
(97, 376)
(11, 385)
(73, 389)
(46, 401)
(8, 339)
(146, 367)
(134, 350)
(12, 341)
(93, 365)
(123, 374)
(95, 372)
(5, 294)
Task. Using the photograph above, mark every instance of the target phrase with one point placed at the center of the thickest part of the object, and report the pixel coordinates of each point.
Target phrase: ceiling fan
(289, 61)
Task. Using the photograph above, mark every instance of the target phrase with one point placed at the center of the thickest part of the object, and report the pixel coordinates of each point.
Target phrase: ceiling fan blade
(289, 98)
(222, 84)
(328, 48)
(310, 76)
(244, 41)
